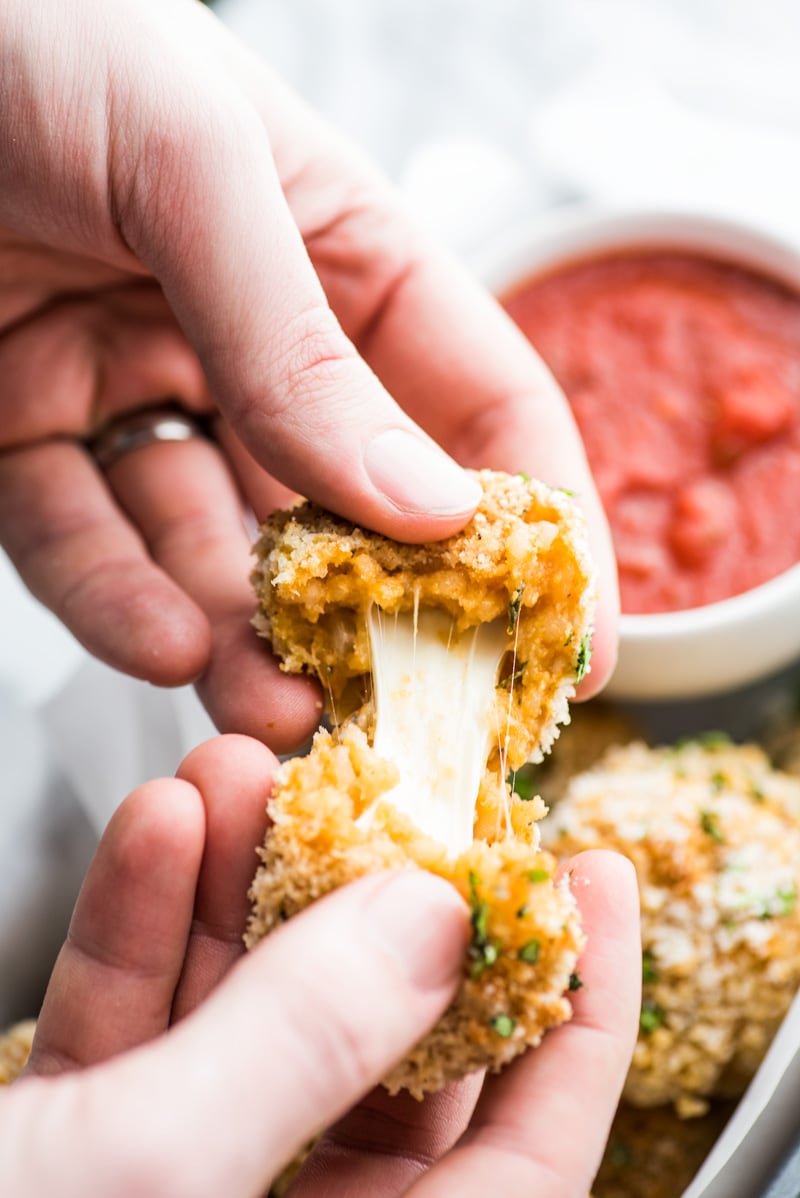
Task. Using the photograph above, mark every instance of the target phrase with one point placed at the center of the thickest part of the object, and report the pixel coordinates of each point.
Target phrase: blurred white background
(483, 113)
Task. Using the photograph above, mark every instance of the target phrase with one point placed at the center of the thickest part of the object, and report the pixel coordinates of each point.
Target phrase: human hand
(174, 223)
(165, 1065)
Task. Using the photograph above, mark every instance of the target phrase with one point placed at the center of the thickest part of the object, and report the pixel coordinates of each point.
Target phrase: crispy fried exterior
(522, 557)
(714, 834)
(523, 560)
(15, 1048)
(526, 933)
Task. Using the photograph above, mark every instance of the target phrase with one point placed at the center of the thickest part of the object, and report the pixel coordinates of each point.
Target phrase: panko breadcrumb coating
(522, 558)
(525, 930)
(15, 1048)
(714, 834)
(521, 568)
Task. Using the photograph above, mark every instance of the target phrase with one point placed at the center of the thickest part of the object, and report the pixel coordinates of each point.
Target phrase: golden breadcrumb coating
(525, 929)
(521, 566)
(523, 557)
(714, 834)
(15, 1048)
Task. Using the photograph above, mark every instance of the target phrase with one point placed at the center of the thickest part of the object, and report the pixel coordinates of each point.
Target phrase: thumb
(201, 205)
(300, 1030)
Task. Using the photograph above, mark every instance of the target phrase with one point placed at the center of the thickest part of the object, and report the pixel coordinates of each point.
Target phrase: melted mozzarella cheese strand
(434, 696)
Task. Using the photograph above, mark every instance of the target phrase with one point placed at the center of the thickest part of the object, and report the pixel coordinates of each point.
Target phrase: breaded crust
(15, 1048)
(714, 834)
(526, 933)
(522, 557)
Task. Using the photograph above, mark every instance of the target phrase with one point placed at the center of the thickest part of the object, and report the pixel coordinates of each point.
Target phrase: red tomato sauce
(684, 376)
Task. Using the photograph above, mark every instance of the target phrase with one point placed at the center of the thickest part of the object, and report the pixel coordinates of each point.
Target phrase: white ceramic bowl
(703, 650)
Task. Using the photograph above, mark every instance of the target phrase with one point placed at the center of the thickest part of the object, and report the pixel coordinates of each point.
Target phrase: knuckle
(311, 359)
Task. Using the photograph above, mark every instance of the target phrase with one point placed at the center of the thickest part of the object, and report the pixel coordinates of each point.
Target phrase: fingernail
(421, 921)
(417, 476)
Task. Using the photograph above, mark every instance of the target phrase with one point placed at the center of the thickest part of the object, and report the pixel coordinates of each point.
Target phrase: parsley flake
(507, 683)
(783, 902)
(619, 1155)
(583, 659)
(537, 875)
(652, 1016)
(714, 738)
(530, 952)
(503, 1025)
(482, 951)
(514, 607)
(649, 971)
(709, 822)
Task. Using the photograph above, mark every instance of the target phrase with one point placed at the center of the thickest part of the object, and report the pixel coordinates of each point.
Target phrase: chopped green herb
(530, 952)
(718, 781)
(537, 875)
(756, 793)
(526, 478)
(575, 981)
(514, 606)
(649, 971)
(709, 822)
(583, 658)
(509, 680)
(619, 1155)
(523, 911)
(523, 782)
(564, 491)
(652, 1016)
(482, 951)
(503, 1025)
(783, 903)
(712, 739)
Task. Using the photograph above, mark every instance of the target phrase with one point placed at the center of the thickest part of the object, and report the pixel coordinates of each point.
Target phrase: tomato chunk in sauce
(684, 376)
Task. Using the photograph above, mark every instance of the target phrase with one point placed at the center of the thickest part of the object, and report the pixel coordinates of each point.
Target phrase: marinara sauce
(684, 376)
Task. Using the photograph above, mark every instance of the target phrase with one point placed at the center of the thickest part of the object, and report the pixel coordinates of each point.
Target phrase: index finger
(199, 202)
